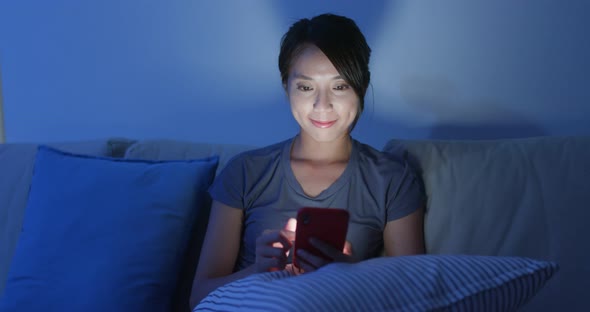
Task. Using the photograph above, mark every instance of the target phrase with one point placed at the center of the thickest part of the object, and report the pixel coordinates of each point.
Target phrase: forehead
(312, 61)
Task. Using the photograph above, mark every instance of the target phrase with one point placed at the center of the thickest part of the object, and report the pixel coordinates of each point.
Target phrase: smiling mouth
(323, 124)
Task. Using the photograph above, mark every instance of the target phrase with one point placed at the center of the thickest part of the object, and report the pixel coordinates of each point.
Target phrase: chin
(326, 137)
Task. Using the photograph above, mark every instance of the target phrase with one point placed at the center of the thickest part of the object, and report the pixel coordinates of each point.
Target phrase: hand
(310, 262)
(272, 248)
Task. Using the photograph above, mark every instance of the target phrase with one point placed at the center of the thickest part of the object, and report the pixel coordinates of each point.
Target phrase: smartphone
(326, 224)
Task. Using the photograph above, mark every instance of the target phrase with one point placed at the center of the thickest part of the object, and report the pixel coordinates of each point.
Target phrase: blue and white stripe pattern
(409, 283)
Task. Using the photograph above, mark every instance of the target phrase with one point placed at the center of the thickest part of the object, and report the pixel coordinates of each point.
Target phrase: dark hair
(340, 40)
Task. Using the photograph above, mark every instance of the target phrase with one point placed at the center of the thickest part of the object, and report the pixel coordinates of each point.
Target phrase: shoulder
(384, 162)
(259, 156)
(392, 167)
(392, 173)
(246, 173)
(264, 153)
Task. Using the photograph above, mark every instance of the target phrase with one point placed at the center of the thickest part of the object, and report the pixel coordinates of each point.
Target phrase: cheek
(298, 107)
(350, 107)
(298, 101)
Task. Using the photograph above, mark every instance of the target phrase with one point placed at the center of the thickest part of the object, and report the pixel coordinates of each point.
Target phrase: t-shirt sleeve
(406, 193)
(228, 187)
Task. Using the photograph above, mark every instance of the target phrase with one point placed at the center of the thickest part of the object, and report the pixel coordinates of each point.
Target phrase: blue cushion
(105, 234)
(408, 283)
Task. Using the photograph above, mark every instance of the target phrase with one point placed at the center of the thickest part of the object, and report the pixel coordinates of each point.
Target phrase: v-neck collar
(342, 180)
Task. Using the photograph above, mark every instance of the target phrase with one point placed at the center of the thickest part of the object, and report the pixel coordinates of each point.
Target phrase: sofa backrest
(513, 197)
(510, 197)
(181, 150)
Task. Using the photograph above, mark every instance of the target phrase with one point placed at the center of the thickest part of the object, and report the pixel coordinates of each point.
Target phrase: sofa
(525, 197)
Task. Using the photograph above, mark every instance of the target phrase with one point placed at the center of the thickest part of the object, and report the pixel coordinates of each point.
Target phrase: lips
(323, 124)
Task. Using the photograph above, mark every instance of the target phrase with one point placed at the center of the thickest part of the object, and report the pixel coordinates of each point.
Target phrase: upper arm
(222, 242)
(405, 236)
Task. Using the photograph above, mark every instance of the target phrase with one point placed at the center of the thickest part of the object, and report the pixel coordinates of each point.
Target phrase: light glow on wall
(207, 70)
(2, 129)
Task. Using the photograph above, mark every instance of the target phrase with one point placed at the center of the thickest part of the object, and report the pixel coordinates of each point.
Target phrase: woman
(324, 65)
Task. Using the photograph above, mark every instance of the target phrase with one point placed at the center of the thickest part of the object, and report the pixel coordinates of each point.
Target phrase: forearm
(204, 286)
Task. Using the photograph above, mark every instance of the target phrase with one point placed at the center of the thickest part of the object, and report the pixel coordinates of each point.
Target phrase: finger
(306, 267)
(347, 250)
(270, 237)
(266, 262)
(266, 238)
(293, 269)
(289, 229)
(288, 235)
(270, 264)
(277, 245)
(270, 252)
(291, 225)
(286, 239)
(303, 265)
(310, 258)
(326, 248)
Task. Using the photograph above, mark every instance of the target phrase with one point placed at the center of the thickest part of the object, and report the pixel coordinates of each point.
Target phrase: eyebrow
(301, 76)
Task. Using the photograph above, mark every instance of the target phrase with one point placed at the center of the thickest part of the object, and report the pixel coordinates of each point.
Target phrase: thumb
(289, 229)
(291, 225)
(347, 250)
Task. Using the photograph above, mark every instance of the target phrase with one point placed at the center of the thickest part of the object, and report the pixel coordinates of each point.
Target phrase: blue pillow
(105, 234)
(408, 283)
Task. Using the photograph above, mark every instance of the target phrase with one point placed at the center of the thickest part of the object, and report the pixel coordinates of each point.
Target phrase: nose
(322, 101)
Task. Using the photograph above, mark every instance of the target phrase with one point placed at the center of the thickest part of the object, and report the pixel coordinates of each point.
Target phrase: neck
(306, 148)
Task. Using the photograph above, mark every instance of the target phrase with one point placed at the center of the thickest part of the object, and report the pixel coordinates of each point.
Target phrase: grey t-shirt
(375, 188)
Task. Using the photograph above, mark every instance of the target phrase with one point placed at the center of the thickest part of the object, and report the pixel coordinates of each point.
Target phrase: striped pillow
(409, 283)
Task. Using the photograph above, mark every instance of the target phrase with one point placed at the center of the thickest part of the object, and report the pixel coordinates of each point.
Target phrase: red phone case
(326, 224)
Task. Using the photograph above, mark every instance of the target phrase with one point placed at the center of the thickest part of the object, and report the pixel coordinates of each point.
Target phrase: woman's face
(323, 104)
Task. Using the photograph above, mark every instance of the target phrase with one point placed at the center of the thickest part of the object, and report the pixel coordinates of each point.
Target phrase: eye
(303, 88)
(342, 87)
